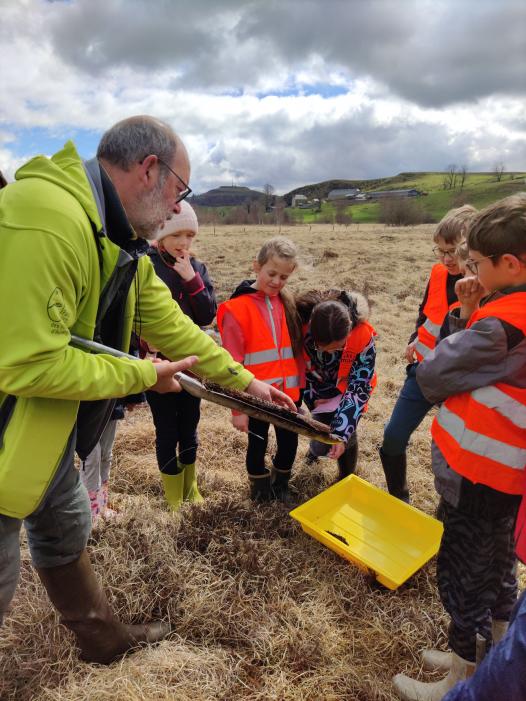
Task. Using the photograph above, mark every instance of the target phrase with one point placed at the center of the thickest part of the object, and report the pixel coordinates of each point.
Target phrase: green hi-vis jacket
(50, 283)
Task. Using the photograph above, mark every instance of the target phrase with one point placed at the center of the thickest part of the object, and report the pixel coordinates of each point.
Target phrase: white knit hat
(186, 220)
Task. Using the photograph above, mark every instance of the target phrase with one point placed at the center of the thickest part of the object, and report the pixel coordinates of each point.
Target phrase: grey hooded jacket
(490, 351)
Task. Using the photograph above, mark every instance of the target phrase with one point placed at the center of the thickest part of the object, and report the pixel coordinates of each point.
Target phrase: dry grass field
(261, 611)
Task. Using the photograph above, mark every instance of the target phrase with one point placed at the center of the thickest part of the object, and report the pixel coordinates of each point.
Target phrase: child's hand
(183, 266)
(469, 292)
(270, 394)
(409, 352)
(337, 450)
(240, 421)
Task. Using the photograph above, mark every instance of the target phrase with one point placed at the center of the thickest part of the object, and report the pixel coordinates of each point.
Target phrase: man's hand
(166, 370)
(337, 450)
(469, 292)
(260, 389)
(240, 421)
(183, 267)
(409, 352)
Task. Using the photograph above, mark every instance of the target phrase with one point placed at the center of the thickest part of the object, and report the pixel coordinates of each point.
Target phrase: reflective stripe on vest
(290, 381)
(272, 365)
(478, 444)
(503, 403)
(434, 329)
(481, 433)
(268, 356)
(421, 350)
(435, 309)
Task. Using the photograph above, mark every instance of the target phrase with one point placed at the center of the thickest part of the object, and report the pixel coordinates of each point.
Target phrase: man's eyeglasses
(187, 189)
(473, 265)
(440, 253)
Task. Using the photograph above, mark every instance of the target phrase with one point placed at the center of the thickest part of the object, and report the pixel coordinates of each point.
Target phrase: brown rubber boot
(77, 595)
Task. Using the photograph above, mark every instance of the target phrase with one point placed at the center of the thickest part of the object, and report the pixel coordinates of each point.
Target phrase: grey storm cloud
(355, 147)
(432, 53)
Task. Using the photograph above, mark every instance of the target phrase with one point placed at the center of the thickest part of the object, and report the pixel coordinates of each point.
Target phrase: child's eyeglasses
(473, 265)
(440, 253)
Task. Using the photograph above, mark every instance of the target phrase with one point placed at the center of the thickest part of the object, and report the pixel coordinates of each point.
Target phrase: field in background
(480, 189)
(261, 611)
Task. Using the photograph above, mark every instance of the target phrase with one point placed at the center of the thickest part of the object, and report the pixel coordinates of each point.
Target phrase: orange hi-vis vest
(356, 342)
(435, 309)
(269, 363)
(481, 433)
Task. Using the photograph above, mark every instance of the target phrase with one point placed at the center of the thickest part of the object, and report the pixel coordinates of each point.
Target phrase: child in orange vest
(259, 328)
(411, 406)
(340, 352)
(479, 442)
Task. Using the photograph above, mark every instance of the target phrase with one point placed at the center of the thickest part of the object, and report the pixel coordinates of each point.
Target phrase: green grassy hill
(480, 189)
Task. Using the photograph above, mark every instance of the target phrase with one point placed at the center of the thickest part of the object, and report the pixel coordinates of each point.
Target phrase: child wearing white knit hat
(176, 415)
(174, 239)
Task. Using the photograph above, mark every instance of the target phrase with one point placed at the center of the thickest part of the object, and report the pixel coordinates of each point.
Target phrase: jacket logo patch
(56, 311)
(55, 305)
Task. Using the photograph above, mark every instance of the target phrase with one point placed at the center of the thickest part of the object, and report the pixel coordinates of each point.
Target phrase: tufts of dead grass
(260, 611)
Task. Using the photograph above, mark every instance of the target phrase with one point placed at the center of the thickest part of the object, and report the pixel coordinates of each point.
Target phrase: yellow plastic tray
(372, 529)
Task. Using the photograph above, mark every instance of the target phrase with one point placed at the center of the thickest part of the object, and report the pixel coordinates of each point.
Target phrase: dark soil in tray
(298, 419)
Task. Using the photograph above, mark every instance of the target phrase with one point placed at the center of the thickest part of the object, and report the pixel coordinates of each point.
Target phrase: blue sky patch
(40, 140)
(325, 91)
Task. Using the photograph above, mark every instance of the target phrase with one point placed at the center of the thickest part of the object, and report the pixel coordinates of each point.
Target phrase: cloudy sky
(286, 92)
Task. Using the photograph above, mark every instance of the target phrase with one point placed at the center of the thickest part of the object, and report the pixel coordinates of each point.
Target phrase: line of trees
(254, 212)
(455, 176)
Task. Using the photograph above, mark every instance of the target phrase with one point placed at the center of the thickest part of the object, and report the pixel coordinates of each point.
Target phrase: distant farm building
(380, 194)
(343, 194)
(299, 200)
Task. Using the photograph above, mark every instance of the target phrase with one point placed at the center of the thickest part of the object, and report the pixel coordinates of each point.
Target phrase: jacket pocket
(6, 411)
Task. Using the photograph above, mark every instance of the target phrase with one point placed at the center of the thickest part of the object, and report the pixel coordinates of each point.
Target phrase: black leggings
(287, 443)
(175, 415)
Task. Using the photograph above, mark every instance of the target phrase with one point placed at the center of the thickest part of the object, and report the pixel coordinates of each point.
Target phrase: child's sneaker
(105, 510)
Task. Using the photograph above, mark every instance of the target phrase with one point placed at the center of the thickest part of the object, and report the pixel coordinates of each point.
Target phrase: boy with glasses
(411, 406)
(479, 442)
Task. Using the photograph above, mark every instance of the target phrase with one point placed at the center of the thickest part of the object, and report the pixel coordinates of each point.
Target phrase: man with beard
(72, 239)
